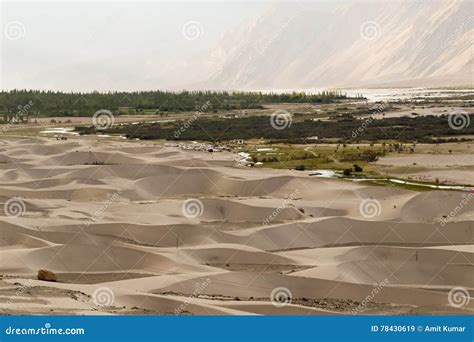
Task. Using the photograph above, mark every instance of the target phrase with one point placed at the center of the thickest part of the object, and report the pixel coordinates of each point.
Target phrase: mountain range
(342, 44)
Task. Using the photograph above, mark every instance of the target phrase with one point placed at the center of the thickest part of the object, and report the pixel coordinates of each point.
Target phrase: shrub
(347, 172)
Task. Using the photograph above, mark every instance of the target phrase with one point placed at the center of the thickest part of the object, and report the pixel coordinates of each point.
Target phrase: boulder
(47, 275)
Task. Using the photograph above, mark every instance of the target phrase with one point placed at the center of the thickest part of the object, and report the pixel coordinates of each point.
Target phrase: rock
(47, 275)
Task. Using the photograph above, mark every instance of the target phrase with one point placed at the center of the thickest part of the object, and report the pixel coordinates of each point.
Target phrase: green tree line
(56, 103)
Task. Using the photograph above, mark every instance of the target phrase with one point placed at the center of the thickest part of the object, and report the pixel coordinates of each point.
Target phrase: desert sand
(141, 228)
(454, 168)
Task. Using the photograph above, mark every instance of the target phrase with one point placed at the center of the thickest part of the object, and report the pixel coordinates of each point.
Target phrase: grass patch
(334, 157)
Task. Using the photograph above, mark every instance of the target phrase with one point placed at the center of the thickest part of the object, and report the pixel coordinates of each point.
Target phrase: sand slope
(112, 217)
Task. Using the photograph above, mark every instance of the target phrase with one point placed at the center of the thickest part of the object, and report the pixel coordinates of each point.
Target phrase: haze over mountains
(416, 43)
(237, 45)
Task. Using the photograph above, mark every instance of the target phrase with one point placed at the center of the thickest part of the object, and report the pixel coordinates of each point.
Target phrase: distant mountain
(337, 44)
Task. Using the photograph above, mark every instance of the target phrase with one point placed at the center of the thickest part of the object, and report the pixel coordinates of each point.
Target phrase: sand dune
(114, 217)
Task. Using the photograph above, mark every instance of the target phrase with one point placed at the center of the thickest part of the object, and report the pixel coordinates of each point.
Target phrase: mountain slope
(423, 43)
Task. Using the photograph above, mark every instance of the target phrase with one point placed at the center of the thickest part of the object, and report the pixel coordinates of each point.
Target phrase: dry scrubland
(109, 219)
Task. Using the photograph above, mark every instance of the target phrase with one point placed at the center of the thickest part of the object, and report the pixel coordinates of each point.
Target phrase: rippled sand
(135, 228)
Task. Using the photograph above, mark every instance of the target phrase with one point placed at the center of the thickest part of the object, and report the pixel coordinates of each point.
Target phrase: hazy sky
(49, 45)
